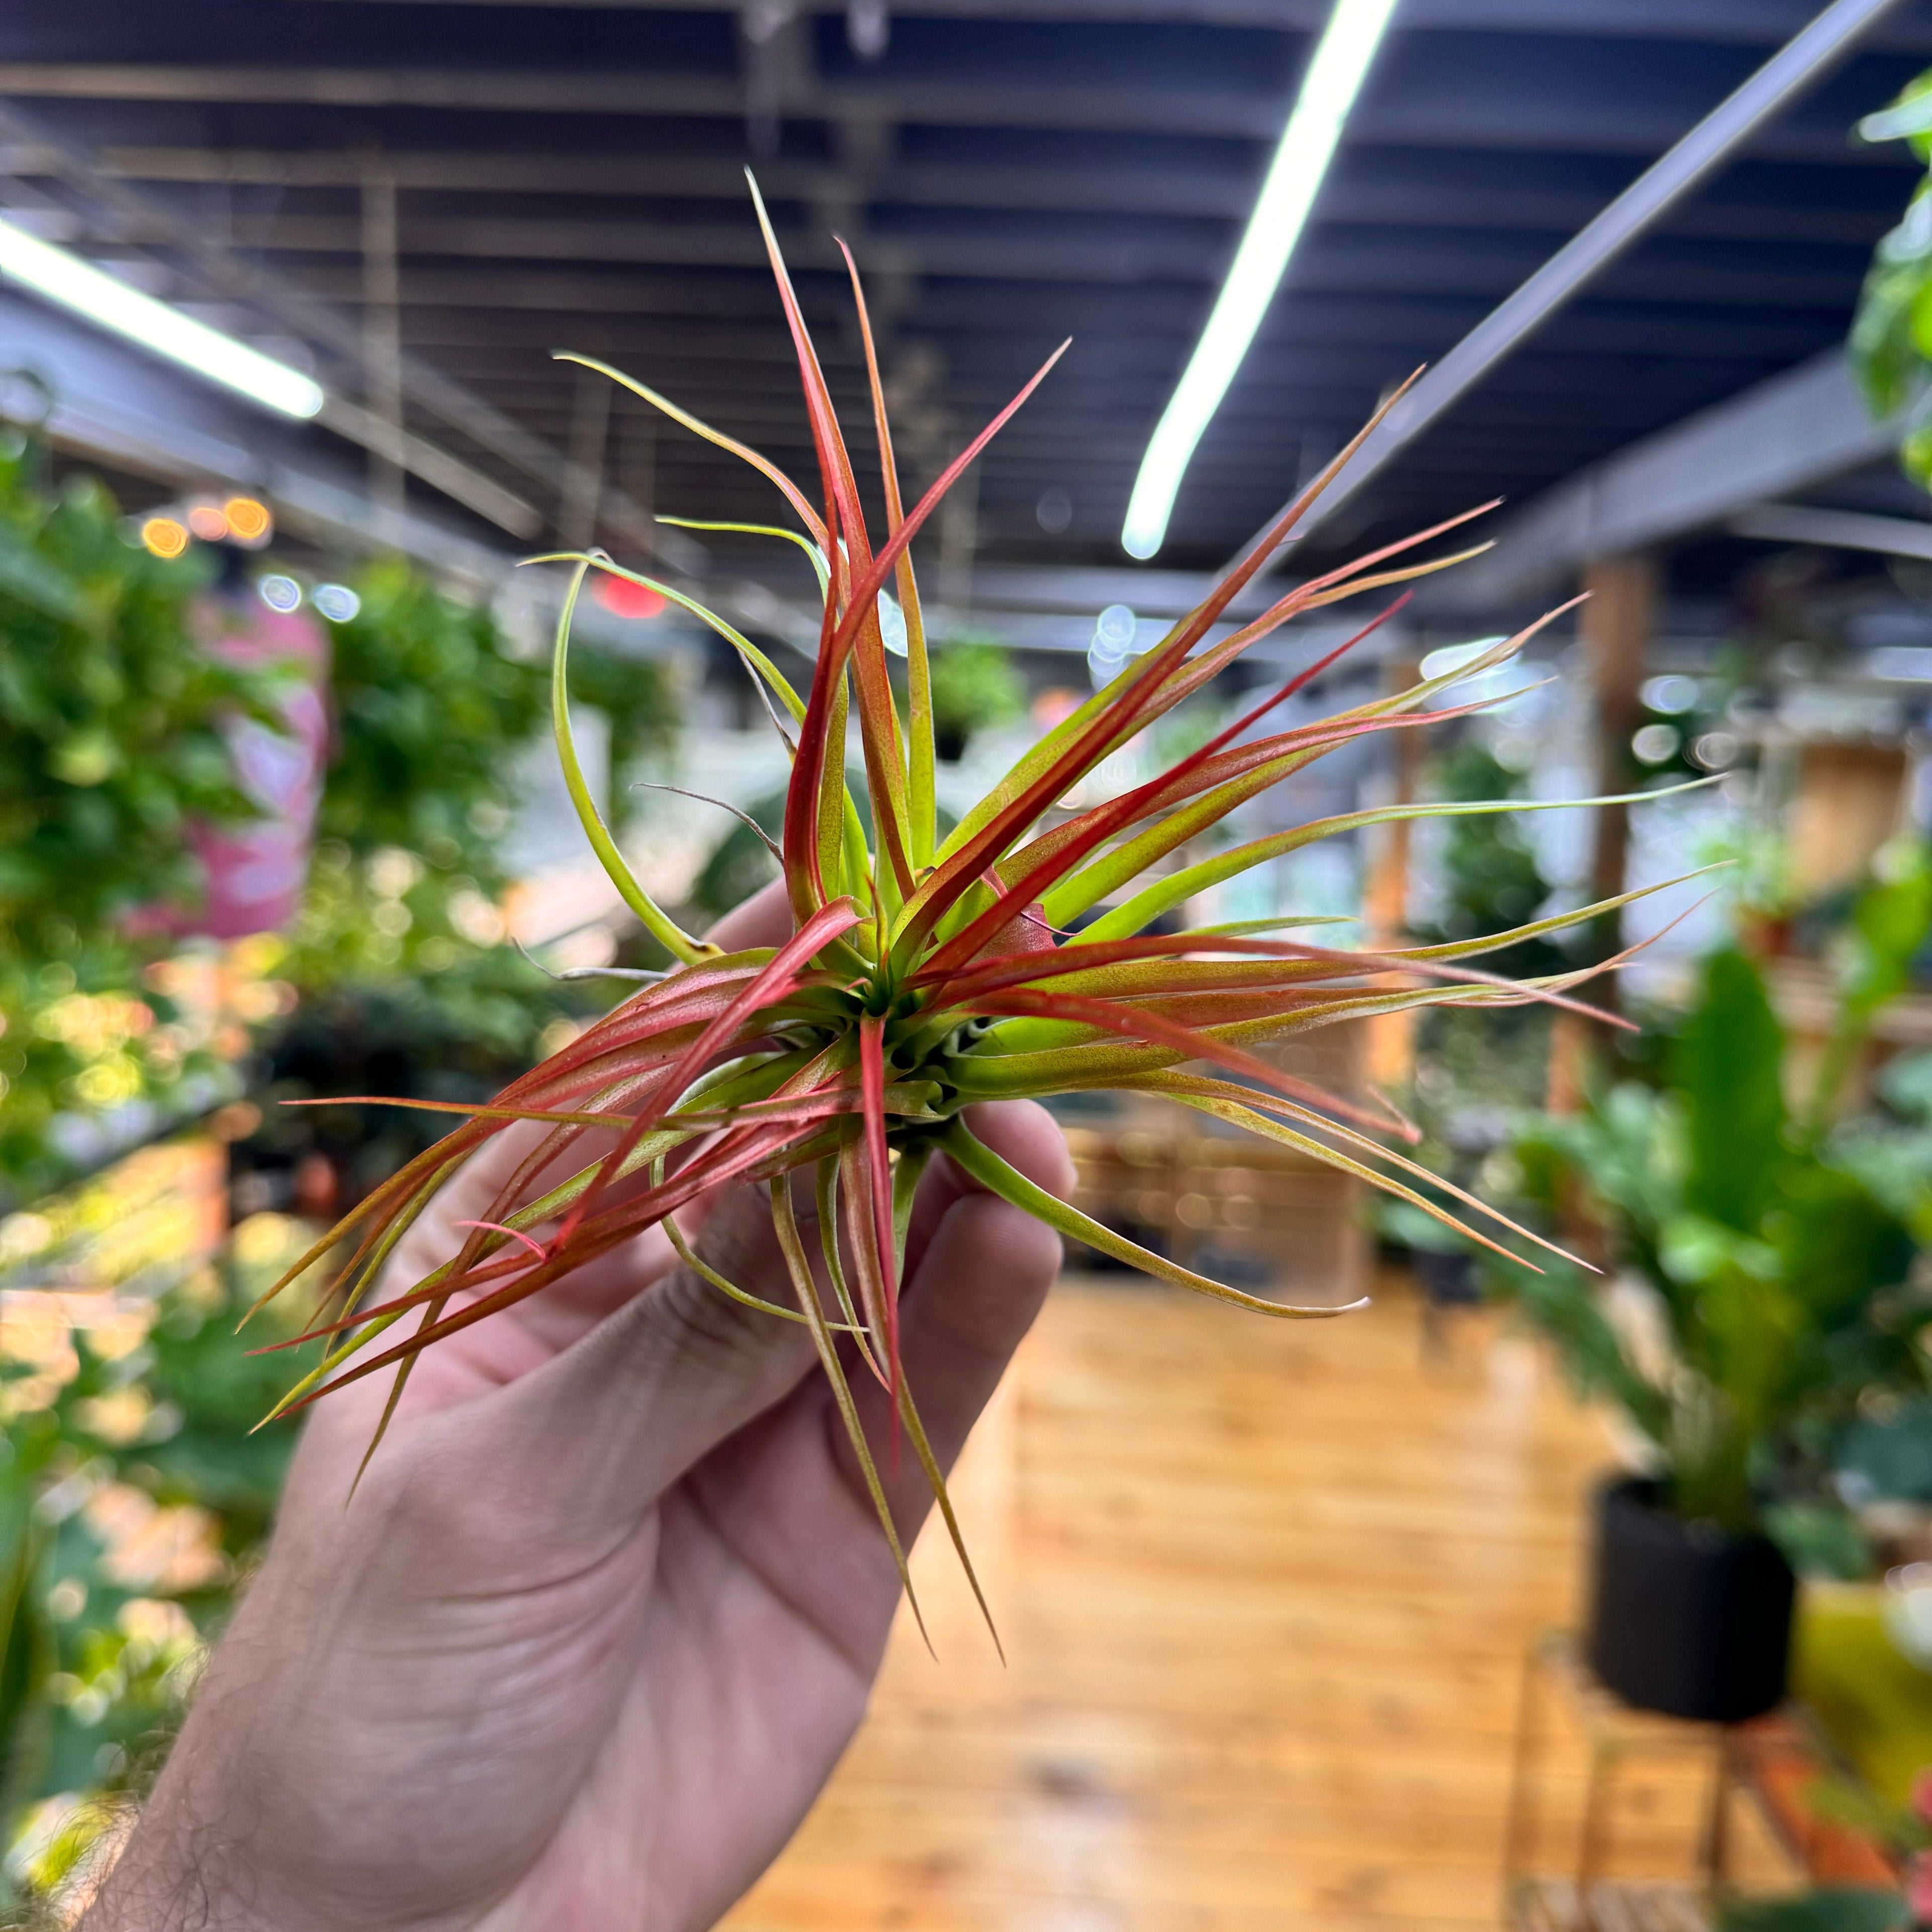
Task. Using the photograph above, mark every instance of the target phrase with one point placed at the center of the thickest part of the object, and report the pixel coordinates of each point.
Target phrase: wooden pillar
(1615, 628)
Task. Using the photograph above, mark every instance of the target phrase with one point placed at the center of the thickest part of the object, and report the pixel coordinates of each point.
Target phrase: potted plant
(1764, 1284)
(974, 687)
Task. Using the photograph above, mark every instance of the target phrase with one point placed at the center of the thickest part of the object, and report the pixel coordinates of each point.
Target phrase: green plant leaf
(1729, 1066)
(1830, 1909)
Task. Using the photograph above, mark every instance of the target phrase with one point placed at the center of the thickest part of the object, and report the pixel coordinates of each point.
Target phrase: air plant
(925, 974)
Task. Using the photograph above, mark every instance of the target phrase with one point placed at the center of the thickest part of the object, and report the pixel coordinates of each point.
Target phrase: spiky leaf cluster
(926, 973)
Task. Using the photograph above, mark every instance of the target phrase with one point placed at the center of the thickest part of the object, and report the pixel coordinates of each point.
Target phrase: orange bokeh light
(249, 522)
(164, 536)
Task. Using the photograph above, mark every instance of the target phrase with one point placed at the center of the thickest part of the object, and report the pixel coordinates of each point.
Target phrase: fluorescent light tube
(91, 292)
(1335, 72)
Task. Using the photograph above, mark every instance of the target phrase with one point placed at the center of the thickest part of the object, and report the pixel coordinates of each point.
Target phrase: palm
(693, 1671)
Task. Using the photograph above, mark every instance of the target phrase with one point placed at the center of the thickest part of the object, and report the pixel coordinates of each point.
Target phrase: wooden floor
(1265, 1588)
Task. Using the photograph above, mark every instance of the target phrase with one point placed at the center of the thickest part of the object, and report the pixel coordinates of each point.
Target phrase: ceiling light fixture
(91, 292)
(1335, 72)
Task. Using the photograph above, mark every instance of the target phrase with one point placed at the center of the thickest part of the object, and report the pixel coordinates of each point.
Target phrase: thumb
(587, 1442)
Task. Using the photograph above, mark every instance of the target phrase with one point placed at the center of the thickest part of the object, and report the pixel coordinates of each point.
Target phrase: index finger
(764, 920)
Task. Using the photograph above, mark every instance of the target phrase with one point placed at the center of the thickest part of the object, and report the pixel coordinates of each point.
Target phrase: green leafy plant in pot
(1766, 1286)
(975, 687)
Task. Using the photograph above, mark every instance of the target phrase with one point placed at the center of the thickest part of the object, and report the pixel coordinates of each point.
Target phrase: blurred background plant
(976, 687)
(1891, 341)
(404, 978)
(395, 976)
(1491, 879)
(111, 715)
(134, 1497)
(111, 720)
(1764, 1293)
(1474, 1069)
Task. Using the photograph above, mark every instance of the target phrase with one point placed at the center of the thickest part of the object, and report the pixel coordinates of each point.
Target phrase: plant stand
(1556, 1905)
(1740, 1781)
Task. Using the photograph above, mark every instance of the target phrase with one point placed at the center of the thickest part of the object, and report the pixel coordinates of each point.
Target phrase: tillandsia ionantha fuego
(1016, 956)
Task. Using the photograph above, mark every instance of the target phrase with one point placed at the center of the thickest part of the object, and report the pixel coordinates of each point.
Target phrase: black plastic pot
(1448, 1280)
(1685, 1618)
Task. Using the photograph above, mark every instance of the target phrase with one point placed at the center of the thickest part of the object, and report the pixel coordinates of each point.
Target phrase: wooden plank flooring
(1265, 1588)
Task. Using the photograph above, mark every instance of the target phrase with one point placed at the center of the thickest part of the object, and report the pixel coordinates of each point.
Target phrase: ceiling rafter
(569, 174)
(1465, 116)
(1139, 191)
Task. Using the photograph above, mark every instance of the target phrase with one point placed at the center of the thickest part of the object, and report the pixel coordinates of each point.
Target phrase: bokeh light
(623, 598)
(337, 602)
(248, 521)
(165, 536)
(207, 522)
(279, 593)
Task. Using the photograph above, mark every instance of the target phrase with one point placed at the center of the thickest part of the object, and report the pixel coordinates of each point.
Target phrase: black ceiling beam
(1510, 202)
(1142, 194)
(1574, 110)
(1756, 23)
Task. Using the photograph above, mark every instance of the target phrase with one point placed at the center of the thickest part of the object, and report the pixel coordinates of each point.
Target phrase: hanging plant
(1891, 341)
(112, 716)
(114, 739)
(924, 974)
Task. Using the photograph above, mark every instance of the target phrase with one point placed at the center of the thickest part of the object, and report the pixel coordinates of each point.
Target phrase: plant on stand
(1768, 1284)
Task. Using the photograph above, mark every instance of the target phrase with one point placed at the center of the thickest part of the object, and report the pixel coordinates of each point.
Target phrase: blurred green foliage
(134, 1501)
(93, 1035)
(1474, 1068)
(404, 982)
(398, 949)
(975, 688)
(1891, 343)
(1491, 879)
(1777, 1248)
(433, 709)
(430, 711)
(111, 718)
(110, 715)
(1830, 1909)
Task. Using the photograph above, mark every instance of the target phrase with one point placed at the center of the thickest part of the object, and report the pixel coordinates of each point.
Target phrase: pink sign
(256, 871)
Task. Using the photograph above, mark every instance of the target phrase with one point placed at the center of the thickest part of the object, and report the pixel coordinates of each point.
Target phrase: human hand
(608, 1604)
